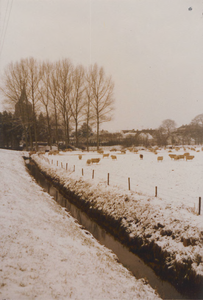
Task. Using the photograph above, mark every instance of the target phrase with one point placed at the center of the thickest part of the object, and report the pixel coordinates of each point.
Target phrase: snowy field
(44, 252)
(170, 221)
(179, 182)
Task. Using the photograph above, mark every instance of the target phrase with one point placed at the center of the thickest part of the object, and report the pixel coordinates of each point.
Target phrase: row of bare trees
(62, 92)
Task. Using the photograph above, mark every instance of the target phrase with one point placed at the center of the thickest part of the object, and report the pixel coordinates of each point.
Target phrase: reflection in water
(127, 258)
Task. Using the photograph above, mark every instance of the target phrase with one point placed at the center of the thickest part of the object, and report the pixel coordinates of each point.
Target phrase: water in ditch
(127, 258)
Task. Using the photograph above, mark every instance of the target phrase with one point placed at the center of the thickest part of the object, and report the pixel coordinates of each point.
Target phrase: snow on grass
(171, 219)
(44, 252)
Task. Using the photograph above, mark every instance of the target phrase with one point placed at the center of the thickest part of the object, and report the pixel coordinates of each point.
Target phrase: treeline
(58, 95)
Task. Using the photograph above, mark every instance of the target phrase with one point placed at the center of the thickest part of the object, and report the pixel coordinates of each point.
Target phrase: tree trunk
(97, 132)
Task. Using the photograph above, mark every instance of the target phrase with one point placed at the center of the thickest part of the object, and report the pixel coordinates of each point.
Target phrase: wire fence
(129, 181)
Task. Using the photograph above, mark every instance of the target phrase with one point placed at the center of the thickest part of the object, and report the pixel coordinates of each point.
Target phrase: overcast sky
(153, 49)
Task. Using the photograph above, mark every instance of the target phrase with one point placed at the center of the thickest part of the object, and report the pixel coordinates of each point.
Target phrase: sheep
(186, 154)
(160, 158)
(179, 157)
(189, 157)
(106, 155)
(172, 156)
(100, 151)
(113, 156)
(95, 160)
(141, 156)
(80, 156)
(88, 162)
(123, 151)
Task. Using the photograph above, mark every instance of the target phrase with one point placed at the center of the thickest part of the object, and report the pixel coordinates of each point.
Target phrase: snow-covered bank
(45, 254)
(169, 236)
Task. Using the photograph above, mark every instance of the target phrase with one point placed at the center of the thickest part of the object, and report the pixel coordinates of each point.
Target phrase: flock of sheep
(186, 156)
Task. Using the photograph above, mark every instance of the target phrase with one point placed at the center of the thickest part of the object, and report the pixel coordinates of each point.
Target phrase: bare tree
(196, 127)
(53, 86)
(64, 74)
(102, 97)
(166, 129)
(77, 100)
(14, 89)
(34, 77)
(88, 112)
(45, 96)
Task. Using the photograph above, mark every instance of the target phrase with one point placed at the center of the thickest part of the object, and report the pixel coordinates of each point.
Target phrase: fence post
(129, 183)
(74, 168)
(199, 205)
(56, 196)
(57, 163)
(66, 166)
(155, 191)
(82, 172)
(108, 179)
(92, 174)
(61, 165)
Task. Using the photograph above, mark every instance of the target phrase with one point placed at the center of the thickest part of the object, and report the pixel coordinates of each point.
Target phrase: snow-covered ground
(178, 182)
(170, 220)
(44, 252)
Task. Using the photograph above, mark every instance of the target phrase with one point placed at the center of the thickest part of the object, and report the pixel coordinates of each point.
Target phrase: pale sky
(153, 49)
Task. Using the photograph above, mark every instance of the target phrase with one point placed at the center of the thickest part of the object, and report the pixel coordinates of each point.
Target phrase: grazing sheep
(186, 154)
(123, 151)
(141, 156)
(189, 157)
(88, 162)
(80, 156)
(179, 157)
(113, 156)
(95, 160)
(160, 158)
(172, 156)
(106, 155)
(100, 151)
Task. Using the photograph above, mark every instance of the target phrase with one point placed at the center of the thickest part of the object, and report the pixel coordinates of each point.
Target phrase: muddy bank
(180, 274)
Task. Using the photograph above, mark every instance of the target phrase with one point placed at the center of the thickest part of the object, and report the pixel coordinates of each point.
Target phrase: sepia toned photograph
(101, 149)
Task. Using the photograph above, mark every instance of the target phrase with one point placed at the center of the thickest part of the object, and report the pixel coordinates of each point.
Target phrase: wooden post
(108, 179)
(129, 183)
(61, 165)
(199, 205)
(155, 191)
(92, 174)
(74, 168)
(82, 172)
(52, 161)
(57, 163)
(66, 166)
(56, 196)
